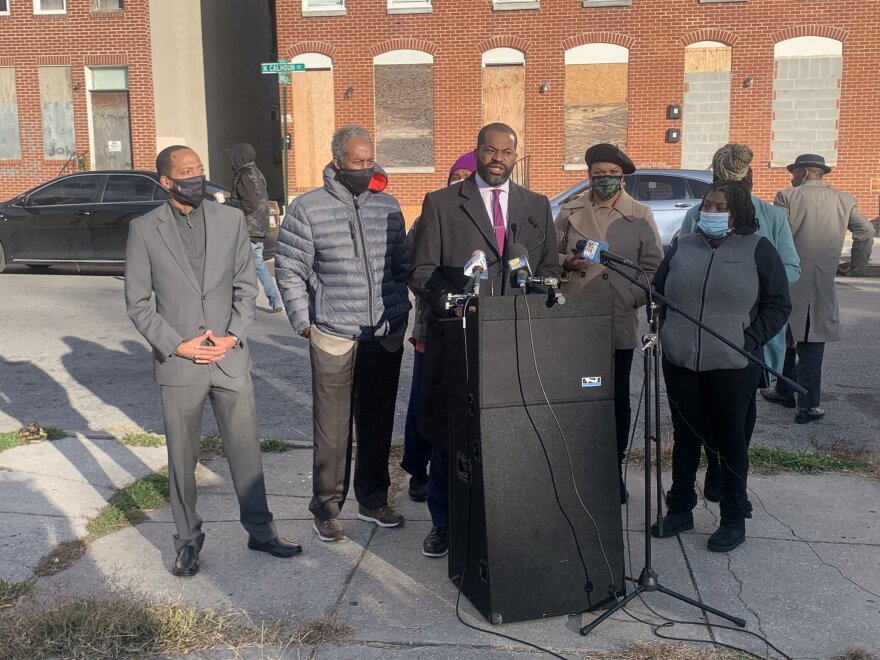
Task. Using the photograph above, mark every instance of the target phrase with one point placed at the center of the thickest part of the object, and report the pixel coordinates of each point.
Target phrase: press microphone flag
(477, 264)
(519, 263)
(591, 249)
(594, 250)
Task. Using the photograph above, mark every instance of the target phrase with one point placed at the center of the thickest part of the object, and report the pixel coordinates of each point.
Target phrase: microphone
(476, 264)
(519, 264)
(476, 268)
(596, 251)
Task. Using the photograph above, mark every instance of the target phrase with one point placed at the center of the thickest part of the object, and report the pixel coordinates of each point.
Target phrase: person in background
(249, 194)
(607, 213)
(342, 264)
(733, 162)
(417, 450)
(734, 281)
(819, 217)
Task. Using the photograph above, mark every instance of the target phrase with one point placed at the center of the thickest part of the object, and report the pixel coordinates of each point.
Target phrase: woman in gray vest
(733, 281)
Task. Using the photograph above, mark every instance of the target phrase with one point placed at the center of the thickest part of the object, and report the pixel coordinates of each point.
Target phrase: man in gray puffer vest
(342, 266)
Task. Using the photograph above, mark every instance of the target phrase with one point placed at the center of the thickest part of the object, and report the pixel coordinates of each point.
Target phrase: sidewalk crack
(739, 597)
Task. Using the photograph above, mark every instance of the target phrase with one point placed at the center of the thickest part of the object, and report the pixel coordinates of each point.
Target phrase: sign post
(282, 68)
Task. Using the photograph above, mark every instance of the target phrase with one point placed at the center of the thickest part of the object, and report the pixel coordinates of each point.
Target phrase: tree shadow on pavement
(27, 393)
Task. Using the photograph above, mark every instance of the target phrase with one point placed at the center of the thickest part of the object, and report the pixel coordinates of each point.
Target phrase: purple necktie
(498, 219)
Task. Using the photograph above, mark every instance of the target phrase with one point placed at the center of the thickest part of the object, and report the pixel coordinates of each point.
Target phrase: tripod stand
(648, 579)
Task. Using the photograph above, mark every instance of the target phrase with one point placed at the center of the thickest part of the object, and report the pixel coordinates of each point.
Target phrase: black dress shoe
(674, 523)
(770, 395)
(187, 562)
(806, 415)
(727, 537)
(418, 489)
(436, 543)
(277, 547)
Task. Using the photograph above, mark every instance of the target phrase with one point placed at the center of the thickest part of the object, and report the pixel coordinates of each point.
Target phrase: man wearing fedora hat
(607, 213)
(819, 217)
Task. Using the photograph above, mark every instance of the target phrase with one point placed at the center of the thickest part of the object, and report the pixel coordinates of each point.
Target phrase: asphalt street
(70, 357)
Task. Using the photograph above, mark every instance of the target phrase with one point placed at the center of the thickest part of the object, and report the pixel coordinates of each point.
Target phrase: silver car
(669, 194)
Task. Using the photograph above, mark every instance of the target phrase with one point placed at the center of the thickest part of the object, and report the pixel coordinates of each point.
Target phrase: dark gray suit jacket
(454, 223)
(166, 303)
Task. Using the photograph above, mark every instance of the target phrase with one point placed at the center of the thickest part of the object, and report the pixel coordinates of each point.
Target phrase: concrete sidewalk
(806, 578)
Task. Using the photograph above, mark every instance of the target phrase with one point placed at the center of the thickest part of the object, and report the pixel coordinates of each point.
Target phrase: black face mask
(357, 181)
(190, 191)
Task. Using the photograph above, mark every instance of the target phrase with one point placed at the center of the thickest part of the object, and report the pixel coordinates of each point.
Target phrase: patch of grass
(10, 440)
(123, 625)
(325, 629)
(10, 592)
(766, 460)
(62, 556)
(212, 444)
(140, 439)
(274, 446)
(855, 653)
(54, 433)
(130, 505)
(769, 461)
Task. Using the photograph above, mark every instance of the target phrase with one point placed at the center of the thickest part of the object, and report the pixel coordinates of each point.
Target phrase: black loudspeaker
(524, 548)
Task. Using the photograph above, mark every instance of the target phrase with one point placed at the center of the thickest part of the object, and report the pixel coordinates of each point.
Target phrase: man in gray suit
(190, 290)
(819, 217)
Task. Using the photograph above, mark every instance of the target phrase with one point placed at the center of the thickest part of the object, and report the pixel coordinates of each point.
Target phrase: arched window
(404, 98)
(596, 91)
(706, 112)
(312, 112)
(806, 93)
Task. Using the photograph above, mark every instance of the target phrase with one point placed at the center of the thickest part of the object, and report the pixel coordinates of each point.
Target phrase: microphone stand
(648, 580)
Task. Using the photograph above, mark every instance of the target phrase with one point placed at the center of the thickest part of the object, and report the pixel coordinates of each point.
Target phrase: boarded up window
(56, 101)
(806, 94)
(404, 109)
(596, 91)
(10, 138)
(706, 121)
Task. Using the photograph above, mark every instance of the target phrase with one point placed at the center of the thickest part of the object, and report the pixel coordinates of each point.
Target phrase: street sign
(281, 67)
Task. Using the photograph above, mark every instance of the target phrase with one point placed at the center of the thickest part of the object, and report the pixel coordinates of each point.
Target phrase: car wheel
(2, 259)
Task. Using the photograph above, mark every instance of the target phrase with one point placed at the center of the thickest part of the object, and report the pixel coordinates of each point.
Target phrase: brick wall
(78, 39)
(456, 32)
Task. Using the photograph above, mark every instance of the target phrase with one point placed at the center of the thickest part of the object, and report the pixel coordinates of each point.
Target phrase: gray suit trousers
(235, 411)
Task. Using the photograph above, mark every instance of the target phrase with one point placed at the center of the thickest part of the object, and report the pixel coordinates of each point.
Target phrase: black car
(83, 218)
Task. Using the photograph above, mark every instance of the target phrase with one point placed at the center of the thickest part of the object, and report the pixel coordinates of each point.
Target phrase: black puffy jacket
(249, 190)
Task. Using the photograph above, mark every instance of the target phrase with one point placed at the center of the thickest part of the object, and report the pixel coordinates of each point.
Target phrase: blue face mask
(714, 225)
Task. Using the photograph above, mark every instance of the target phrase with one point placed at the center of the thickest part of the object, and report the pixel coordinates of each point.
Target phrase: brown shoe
(329, 531)
(771, 395)
(384, 516)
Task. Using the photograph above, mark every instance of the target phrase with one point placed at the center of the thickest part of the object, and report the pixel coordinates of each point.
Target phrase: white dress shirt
(486, 194)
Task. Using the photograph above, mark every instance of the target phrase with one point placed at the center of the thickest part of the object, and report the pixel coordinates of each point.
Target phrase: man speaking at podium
(486, 213)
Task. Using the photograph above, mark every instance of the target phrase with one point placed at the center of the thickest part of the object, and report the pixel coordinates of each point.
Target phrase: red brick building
(63, 65)
(105, 84)
(784, 76)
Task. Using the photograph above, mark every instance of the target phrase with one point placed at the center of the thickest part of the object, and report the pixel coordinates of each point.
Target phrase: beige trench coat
(631, 233)
(819, 217)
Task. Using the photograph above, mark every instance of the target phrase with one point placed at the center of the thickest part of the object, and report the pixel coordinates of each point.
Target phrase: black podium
(522, 548)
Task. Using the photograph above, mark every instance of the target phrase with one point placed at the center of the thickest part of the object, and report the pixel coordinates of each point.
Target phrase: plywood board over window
(313, 118)
(56, 102)
(504, 97)
(596, 99)
(404, 97)
(10, 137)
